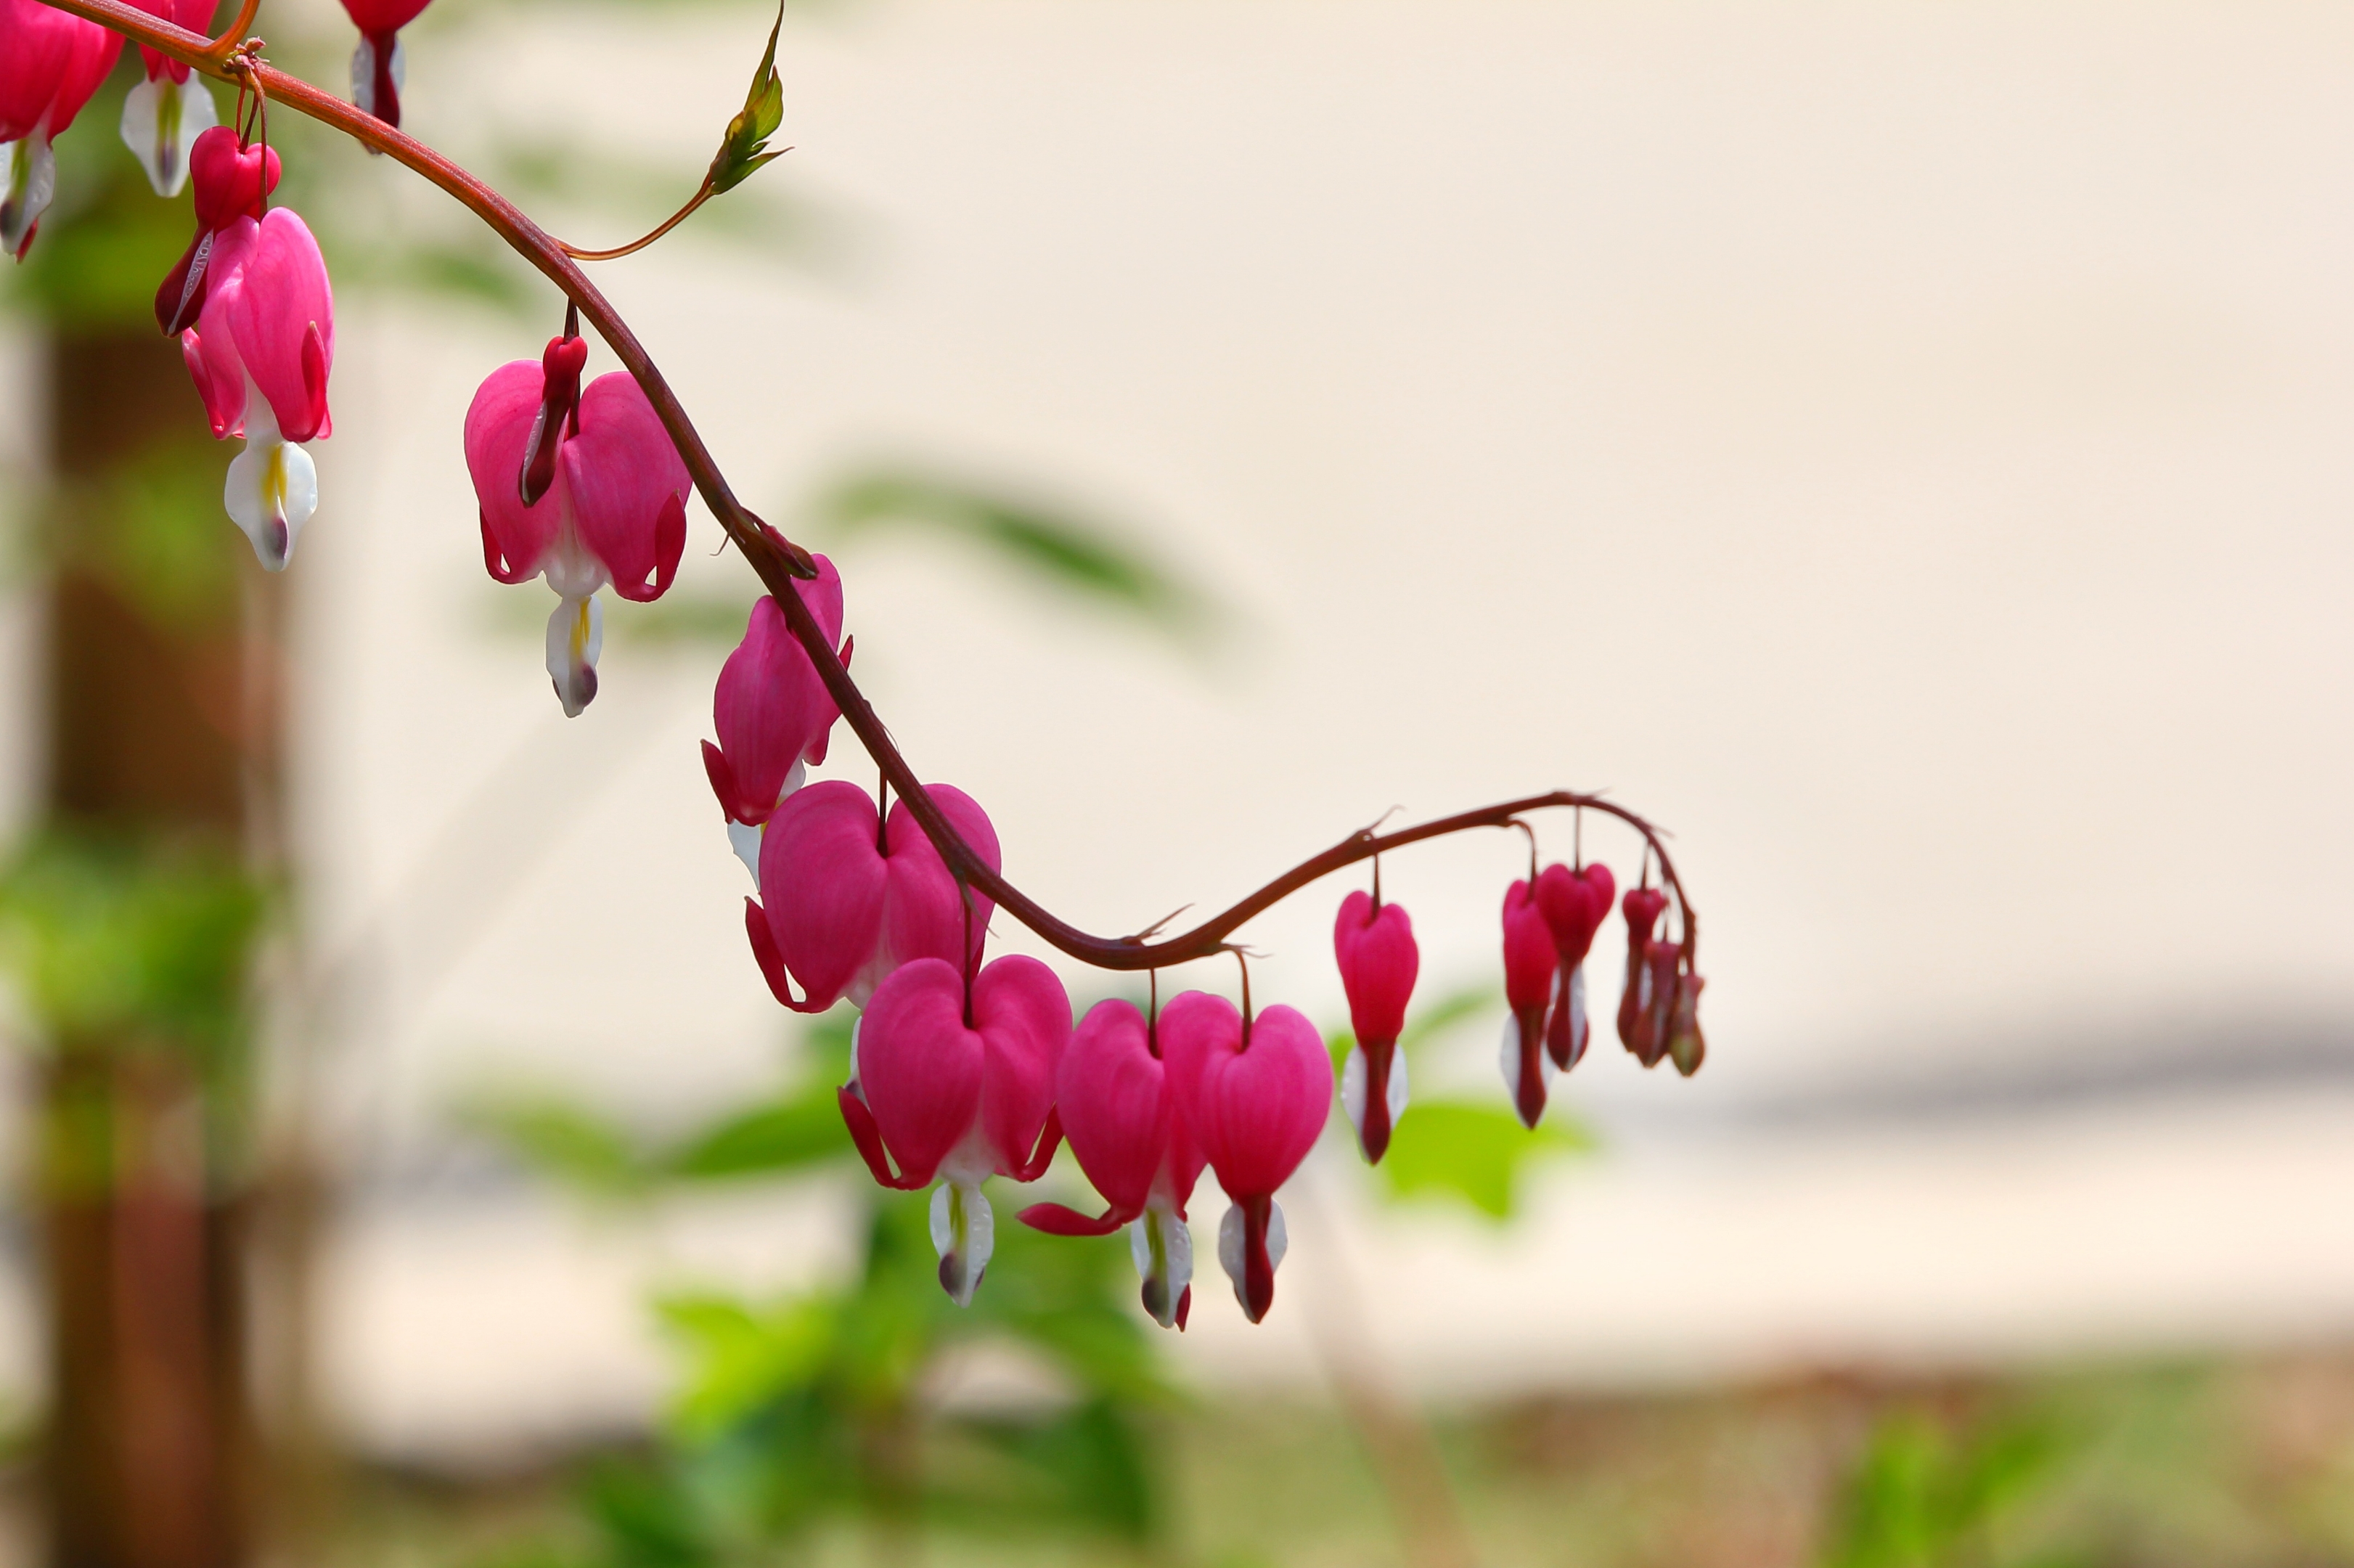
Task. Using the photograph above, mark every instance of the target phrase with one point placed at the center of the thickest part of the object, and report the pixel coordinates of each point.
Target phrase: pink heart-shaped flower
(840, 912)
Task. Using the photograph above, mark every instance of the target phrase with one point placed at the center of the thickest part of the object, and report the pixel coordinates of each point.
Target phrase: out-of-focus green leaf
(742, 1359)
(765, 1139)
(1059, 548)
(745, 147)
(1925, 1497)
(1471, 1151)
(563, 1140)
(145, 943)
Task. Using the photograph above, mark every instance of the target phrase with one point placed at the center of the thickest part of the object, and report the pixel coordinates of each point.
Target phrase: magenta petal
(1259, 1109)
(382, 15)
(919, 1068)
(219, 378)
(1062, 1220)
(283, 315)
(1575, 904)
(625, 477)
(823, 884)
(498, 424)
(51, 65)
(229, 180)
(1378, 962)
(925, 917)
(769, 707)
(1529, 955)
(1116, 1102)
(1024, 1018)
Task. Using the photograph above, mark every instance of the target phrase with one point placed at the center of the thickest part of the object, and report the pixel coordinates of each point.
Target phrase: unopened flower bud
(1378, 959)
(1642, 906)
(1686, 1046)
(1529, 964)
(1574, 903)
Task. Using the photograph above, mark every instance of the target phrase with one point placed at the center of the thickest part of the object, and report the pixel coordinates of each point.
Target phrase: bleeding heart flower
(1255, 1096)
(959, 1082)
(1642, 906)
(772, 712)
(167, 109)
(1529, 965)
(261, 353)
(231, 182)
(1120, 1109)
(379, 66)
(49, 65)
(1375, 949)
(1574, 903)
(584, 487)
(845, 900)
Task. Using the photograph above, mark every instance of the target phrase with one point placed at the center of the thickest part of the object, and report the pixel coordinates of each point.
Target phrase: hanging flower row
(963, 1067)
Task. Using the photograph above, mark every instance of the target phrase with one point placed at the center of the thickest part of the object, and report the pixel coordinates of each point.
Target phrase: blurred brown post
(151, 732)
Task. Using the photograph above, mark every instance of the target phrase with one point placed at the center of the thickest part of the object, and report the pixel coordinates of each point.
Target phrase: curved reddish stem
(777, 560)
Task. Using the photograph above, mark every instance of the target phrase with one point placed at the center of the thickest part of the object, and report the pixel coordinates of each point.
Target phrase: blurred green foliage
(820, 1410)
(1923, 1495)
(119, 938)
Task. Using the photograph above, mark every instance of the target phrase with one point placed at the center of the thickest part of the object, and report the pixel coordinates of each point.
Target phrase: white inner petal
(1577, 1022)
(964, 1235)
(1162, 1246)
(743, 838)
(29, 178)
(273, 487)
(576, 635)
(161, 118)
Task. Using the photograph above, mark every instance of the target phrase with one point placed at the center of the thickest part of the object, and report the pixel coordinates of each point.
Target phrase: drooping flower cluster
(1658, 1013)
(962, 1069)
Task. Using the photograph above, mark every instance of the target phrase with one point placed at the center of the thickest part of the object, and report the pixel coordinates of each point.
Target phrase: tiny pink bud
(1642, 906)
(1685, 1044)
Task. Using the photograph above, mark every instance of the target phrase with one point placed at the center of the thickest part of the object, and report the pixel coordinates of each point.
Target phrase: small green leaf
(1471, 1151)
(745, 148)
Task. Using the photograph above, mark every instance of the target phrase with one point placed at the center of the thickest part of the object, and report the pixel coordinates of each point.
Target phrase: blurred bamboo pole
(1397, 1440)
(154, 733)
